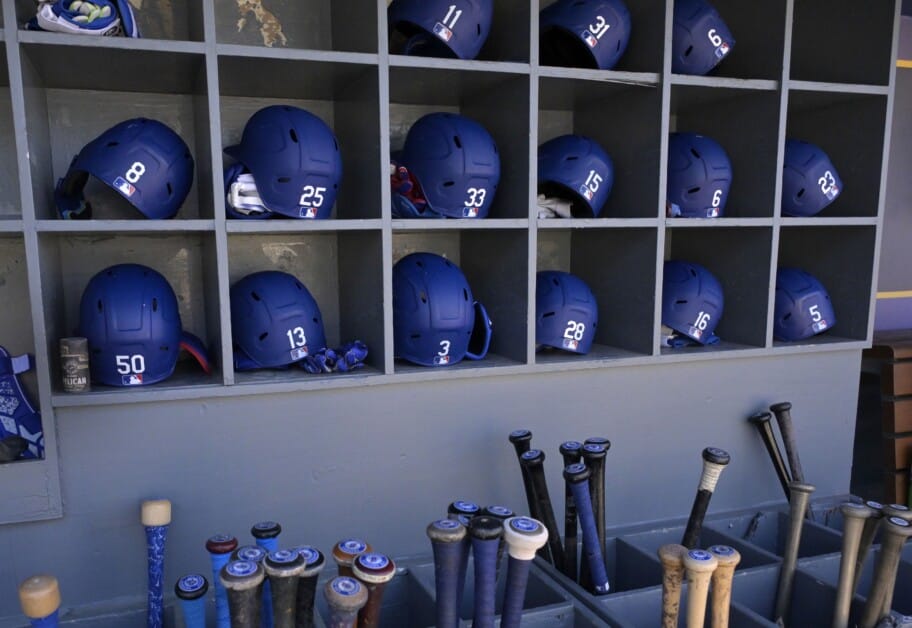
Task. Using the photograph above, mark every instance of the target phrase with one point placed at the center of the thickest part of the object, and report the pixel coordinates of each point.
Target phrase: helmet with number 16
(692, 300)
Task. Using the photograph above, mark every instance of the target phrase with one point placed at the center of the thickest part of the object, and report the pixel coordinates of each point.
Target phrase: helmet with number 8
(442, 28)
(436, 320)
(700, 39)
(803, 307)
(141, 159)
(584, 33)
(129, 314)
(692, 300)
(456, 163)
(566, 313)
(699, 176)
(275, 321)
(809, 179)
(576, 166)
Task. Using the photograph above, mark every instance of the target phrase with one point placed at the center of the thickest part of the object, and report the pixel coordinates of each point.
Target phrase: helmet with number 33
(700, 39)
(441, 28)
(692, 300)
(803, 307)
(566, 313)
(584, 33)
(143, 160)
(809, 179)
(436, 321)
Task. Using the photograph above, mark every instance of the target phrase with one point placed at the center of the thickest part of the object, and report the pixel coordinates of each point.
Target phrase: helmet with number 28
(566, 313)
(692, 300)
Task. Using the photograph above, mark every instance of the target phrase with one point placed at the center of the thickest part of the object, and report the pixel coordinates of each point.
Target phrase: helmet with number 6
(809, 179)
(803, 307)
(129, 315)
(436, 320)
(275, 321)
(700, 39)
(699, 176)
(692, 300)
(584, 33)
(576, 166)
(566, 313)
(442, 28)
(456, 163)
(141, 159)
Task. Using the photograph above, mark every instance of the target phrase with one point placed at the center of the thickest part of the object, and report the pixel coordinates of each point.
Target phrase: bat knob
(345, 594)
(524, 536)
(532, 458)
(241, 575)
(801, 487)
(485, 528)
(898, 527)
(39, 596)
(760, 418)
(345, 551)
(716, 456)
(520, 436)
(782, 406)
(570, 449)
(876, 507)
(576, 473)
(251, 553)
(446, 531)
(463, 507)
(594, 451)
(498, 512)
(314, 561)
(156, 512)
(599, 440)
(700, 561)
(191, 586)
(671, 555)
(374, 568)
(898, 510)
(726, 555)
(221, 544)
(284, 563)
(851, 510)
(265, 530)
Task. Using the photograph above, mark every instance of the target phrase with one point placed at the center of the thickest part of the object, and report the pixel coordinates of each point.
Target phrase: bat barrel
(533, 460)
(374, 571)
(868, 532)
(39, 597)
(220, 547)
(671, 556)
(283, 568)
(243, 582)
(156, 516)
(314, 561)
(763, 422)
(895, 533)
(486, 534)
(191, 591)
(571, 451)
(699, 566)
(345, 597)
(727, 559)
(854, 517)
(447, 538)
(577, 478)
(801, 494)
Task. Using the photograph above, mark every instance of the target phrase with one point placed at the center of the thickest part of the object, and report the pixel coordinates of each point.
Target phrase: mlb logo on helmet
(133, 379)
(441, 359)
(308, 212)
(572, 345)
(470, 212)
(299, 353)
(590, 39)
(126, 188)
(586, 192)
(722, 50)
(443, 32)
(819, 326)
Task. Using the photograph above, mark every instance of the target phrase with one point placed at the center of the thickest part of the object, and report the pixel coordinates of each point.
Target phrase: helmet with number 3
(275, 321)
(699, 176)
(442, 28)
(129, 314)
(809, 179)
(456, 163)
(584, 33)
(436, 320)
(692, 300)
(576, 166)
(700, 39)
(566, 313)
(803, 307)
(141, 159)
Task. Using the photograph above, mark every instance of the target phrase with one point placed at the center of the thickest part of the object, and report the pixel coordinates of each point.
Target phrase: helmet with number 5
(700, 39)
(809, 179)
(275, 321)
(699, 176)
(692, 300)
(576, 166)
(566, 313)
(456, 163)
(436, 321)
(803, 307)
(143, 160)
(442, 28)
(129, 314)
(584, 33)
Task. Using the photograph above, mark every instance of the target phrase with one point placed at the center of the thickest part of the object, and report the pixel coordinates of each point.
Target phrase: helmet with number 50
(566, 313)
(692, 300)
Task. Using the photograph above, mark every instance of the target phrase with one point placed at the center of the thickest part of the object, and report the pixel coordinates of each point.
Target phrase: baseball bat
(447, 539)
(345, 597)
(486, 534)
(374, 571)
(783, 412)
(463, 507)
(39, 597)
(220, 547)
(522, 442)
(523, 536)
(571, 451)
(714, 461)
(699, 566)
(266, 535)
(895, 533)
(671, 555)
(533, 460)
(868, 532)
(252, 553)
(594, 456)
(156, 517)
(191, 591)
(344, 553)
(576, 476)
(598, 440)
(243, 582)
(314, 561)
(801, 496)
(853, 520)
(463, 511)
(501, 513)
(763, 422)
(283, 568)
(903, 512)
(727, 559)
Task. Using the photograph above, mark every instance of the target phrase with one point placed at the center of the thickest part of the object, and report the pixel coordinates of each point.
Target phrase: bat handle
(243, 582)
(448, 540)
(577, 477)
(763, 422)
(699, 565)
(783, 412)
(895, 533)
(727, 558)
(868, 532)
(156, 516)
(345, 597)
(523, 536)
(374, 571)
(522, 442)
(486, 534)
(801, 495)
(515, 592)
(533, 460)
(220, 547)
(266, 535)
(283, 568)
(671, 556)
(853, 518)
(501, 513)
(39, 597)
(191, 591)
(571, 451)
(314, 562)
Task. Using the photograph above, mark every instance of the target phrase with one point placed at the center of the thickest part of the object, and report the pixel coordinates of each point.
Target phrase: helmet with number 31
(566, 313)
(584, 33)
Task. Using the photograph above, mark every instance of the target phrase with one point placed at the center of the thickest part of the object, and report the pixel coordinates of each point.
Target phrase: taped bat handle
(577, 476)
(191, 591)
(220, 547)
(314, 561)
(714, 462)
(39, 597)
(523, 536)
(448, 541)
(486, 534)
(156, 516)
(571, 451)
(501, 513)
(243, 582)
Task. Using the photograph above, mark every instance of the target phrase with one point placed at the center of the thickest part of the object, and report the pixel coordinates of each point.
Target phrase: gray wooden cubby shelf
(790, 74)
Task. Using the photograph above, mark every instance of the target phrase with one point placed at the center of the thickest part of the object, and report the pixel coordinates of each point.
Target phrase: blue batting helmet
(566, 313)
(576, 166)
(584, 33)
(692, 300)
(803, 307)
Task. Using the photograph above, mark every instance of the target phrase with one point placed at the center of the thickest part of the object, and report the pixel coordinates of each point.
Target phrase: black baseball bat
(463, 507)
(314, 561)
(714, 461)
(594, 454)
(533, 460)
(783, 412)
(571, 451)
(763, 422)
(486, 534)
(522, 442)
(283, 568)
(501, 513)
(447, 539)
(374, 571)
(243, 582)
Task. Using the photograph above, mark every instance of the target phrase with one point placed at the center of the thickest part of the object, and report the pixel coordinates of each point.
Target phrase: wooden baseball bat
(156, 517)
(374, 571)
(523, 536)
(447, 539)
(243, 582)
(534, 462)
(699, 566)
(345, 597)
(283, 568)
(903, 512)
(671, 555)
(801, 496)
(727, 558)
(577, 476)
(265, 534)
(895, 533)
(868, 532)
(39, 597)
(463, 507)
(571, 451)
(522, 442)
(853, 520)
(220, 547)
(191, 591)
(314, 561)
(763, 422)
(714, 461)
(345, 552)
(486, 534)
(501, 513)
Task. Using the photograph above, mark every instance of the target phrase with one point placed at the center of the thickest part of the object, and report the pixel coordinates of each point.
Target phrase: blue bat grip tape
(194, 612)
(485, 558)
(222, 614)
(155, 542)
(447, 559)
(591, 545)
(46, 622)
(270, 545)
(515, 592)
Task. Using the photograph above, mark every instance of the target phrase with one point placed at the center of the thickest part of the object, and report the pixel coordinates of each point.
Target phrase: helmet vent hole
(688, 51)
(298, 285)
(263, 336)
(787, 316)
(255, 296)
(465, 294)
(478, 29)
(419, 264)
(693, 190)
(547, 314)
(294, 136)
(423, 297)
(170, 189)
(415, 336)
(681, 302)
(316, 320)
(457, 141)
(100, 306)
(693, 151)
(154, 305)
(555, 282)
(112, 144)
(283, 179)
(449, 184)
(572, 158)
(800, 193)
